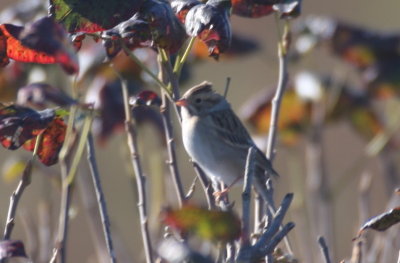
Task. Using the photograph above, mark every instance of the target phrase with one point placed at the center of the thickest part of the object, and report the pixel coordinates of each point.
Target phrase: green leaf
(92, 15)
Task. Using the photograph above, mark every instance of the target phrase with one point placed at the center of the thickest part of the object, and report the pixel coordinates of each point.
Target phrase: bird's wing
(230, 129)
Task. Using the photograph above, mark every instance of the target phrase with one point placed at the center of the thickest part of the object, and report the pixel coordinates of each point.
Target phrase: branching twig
(100, 197)
(324, 249)
(68, 172)
(280, 89)
(16, 195)
(14, 199)
(206, 184)
(140, 178)
(166, 75)
(270, 238)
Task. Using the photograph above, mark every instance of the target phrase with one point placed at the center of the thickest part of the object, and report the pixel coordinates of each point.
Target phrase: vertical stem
(166, 75)
(317, 178)
(140, 178)
(100, 197)
(277, 100)
(324, 249)
(246, 197)
(66, 189)
(206, 184)
(14, 200)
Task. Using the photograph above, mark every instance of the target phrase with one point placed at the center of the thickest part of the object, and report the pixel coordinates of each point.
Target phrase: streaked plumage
(215, 138)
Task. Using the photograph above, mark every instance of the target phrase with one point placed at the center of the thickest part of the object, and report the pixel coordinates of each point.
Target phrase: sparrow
(216, 139)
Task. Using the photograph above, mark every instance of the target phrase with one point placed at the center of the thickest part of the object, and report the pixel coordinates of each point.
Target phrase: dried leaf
(41, 94)
(52, 140)
(42, 42)
(166, 29)
(253, 8)
(11, 248)
(213, 225)
(210, 23)
(19, 124)
(382, 221)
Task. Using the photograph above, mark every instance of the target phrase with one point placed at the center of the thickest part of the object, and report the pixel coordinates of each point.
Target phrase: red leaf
(42, 42)
(253, 8)
(146, 97)
(3, 50)
(19, 124)
(52, 140)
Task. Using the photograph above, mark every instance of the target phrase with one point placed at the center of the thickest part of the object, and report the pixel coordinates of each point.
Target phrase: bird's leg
(223, 190)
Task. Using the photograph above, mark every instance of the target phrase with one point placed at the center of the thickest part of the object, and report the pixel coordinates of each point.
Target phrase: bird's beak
(181, 103)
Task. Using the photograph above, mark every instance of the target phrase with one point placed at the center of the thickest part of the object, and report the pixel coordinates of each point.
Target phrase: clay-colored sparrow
(216, 139)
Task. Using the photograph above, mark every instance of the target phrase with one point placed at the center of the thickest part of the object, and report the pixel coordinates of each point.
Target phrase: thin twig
(141, 65)
(14, 200)
(140, 178)
(277, 221)
(66, 189)
(318, 189)
(356, 256)
(100, 197)
(277, 100)
(278, 238)
(246, 196)
(206, 184)
(276, 104)
(270, 238)
(16, 195)
(324, 249)
(166, 75)
(228, 82)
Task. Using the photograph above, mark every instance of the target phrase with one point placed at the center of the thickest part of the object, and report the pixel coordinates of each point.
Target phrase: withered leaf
(19, 124)
(210, 23)
(382, 221)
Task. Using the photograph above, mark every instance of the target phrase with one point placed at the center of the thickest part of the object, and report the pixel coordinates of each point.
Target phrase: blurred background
(336, 181)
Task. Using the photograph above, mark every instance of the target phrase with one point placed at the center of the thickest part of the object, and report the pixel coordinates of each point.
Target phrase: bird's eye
(198, 100)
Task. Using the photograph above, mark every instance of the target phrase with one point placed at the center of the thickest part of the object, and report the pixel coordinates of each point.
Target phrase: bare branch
(277, 100)
(14, 199)
(100, 197)
(270, 238)
(324, 249)
(277, 221)
(206, 184)
(246, 196)
(140, 178)
(166, 75)
(356, 256)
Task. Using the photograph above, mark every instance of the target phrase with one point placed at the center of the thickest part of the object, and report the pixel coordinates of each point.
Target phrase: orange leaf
(42, 42)
(52, 141)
